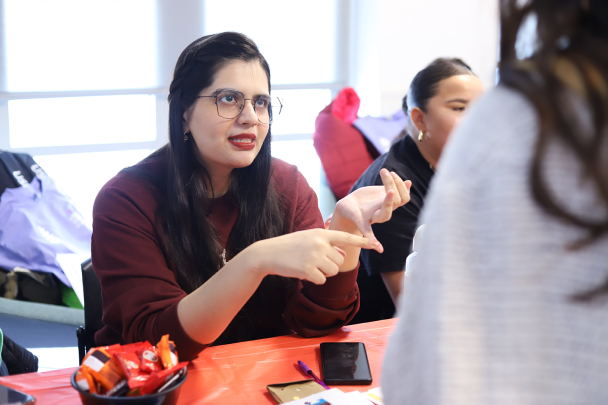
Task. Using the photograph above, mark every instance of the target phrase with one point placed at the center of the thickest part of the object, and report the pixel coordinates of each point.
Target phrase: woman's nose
(248, 114)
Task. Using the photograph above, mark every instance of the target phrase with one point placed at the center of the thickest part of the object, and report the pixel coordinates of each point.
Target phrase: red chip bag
(150, 362)
(130, 348)
(129, 363)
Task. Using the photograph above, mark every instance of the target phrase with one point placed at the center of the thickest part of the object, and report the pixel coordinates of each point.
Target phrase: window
(83, 84)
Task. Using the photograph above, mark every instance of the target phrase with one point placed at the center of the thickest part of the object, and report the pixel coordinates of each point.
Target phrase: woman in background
(437, 98)
(508, 303)
(213, 241)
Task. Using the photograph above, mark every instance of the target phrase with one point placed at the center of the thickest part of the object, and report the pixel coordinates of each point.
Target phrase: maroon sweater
(140, 293)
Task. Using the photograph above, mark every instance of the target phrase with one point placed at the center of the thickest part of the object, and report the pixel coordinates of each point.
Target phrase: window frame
(170, 42)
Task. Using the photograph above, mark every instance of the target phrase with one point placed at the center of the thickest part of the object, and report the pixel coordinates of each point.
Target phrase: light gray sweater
(485, 317)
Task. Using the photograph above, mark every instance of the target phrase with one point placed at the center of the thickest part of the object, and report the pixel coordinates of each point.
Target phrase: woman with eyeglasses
(508, 300)
(213, 241)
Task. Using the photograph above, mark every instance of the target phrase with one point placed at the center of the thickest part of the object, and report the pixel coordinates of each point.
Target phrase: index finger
(339, 238)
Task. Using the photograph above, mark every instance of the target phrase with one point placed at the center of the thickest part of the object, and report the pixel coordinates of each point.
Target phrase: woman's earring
(185, 136)
(420, 136)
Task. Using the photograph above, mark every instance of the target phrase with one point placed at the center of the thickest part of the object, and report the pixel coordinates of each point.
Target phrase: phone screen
(14, 397)
(345, 363)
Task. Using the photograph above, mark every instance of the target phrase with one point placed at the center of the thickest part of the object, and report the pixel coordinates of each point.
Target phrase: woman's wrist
(251, 260)
(340, 223)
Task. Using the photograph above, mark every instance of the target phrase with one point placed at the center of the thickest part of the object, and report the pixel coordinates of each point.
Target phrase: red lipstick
(243, 141)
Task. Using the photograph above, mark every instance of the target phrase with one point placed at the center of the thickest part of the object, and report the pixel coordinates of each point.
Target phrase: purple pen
(306, 370)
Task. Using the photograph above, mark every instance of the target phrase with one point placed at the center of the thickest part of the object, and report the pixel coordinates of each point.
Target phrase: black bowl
(168, 397)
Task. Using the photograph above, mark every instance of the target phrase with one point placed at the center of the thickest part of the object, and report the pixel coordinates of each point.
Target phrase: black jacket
(17, 359)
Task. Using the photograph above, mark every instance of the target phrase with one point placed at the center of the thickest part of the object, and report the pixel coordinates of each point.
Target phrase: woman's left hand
(373, 204)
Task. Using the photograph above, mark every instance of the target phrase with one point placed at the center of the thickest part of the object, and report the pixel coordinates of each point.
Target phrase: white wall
(402, 36)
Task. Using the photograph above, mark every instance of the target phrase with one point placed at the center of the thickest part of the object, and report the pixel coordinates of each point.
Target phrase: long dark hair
(425, 83)
(572, 32)
(190, 242)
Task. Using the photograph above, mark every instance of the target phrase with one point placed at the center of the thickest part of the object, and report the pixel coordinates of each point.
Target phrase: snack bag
(156, 380)
(150, 362)
(167, 353)
(133, 369)
(101, 367)
(119, 389)
(85, 381)
(107, 349)
(129, 363)
(130, 348)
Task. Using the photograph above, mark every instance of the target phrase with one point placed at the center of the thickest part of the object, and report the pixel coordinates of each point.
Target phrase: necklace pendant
(224, 257)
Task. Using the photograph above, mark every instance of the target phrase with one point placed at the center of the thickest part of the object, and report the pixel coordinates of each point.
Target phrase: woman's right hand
(311, 255)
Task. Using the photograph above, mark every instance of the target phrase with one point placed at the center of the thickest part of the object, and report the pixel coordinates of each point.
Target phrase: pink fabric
(340, 146)
(346, 105)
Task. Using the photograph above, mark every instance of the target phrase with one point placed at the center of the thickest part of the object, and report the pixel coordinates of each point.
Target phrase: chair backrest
(92, 307)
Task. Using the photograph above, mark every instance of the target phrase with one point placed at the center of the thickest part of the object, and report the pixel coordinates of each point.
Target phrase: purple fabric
(381, 131)
(36, 222)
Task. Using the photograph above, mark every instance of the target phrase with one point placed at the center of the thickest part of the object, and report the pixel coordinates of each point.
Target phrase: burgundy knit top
(140, 293)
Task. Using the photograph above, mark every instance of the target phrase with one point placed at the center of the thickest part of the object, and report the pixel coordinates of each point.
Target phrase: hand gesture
(311, 255)
(374, 204)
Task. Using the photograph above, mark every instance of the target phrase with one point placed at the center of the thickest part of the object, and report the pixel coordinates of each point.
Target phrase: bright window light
(82, 120)
(300, 110)
(303, 155)
(297, 38)
(64, 45)
(82, 175)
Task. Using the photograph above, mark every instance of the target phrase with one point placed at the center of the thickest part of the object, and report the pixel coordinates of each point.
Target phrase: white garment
(485, 318)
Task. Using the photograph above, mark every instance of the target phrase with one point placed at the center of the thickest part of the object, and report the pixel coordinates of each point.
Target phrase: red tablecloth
(236, 373)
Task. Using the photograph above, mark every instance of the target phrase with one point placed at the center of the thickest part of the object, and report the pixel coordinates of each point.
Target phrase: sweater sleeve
(314, 310)
(140, 293)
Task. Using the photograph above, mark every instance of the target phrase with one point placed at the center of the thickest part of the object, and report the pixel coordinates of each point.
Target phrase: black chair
(92, 310)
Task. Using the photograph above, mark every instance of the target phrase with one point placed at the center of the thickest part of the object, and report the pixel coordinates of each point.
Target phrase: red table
(236, 373)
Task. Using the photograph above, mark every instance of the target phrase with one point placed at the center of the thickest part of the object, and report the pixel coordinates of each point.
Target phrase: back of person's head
(570, 58)
(425, 83)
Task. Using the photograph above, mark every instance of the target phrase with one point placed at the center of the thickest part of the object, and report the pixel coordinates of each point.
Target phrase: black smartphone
(9, 396)
(345, 363)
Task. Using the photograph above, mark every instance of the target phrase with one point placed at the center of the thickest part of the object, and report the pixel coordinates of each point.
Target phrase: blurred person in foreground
(435, 103)
(508, 303)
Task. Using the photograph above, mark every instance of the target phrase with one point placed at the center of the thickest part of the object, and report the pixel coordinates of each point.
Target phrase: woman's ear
(418, 119)
(185, 122)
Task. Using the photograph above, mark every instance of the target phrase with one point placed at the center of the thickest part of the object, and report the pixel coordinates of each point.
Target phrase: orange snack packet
(85, 381)
(107, 349)
(167, 353)
(106, 372)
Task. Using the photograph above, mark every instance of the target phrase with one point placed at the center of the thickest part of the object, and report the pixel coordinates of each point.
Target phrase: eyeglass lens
(231, 103)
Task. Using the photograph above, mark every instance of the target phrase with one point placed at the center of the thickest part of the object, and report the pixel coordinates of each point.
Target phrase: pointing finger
(339, 238)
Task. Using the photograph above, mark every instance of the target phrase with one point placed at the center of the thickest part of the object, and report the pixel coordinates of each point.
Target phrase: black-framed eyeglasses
(230, 104)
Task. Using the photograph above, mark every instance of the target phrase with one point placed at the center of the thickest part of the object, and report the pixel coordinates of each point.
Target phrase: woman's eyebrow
(457, 100)
(218, 91)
